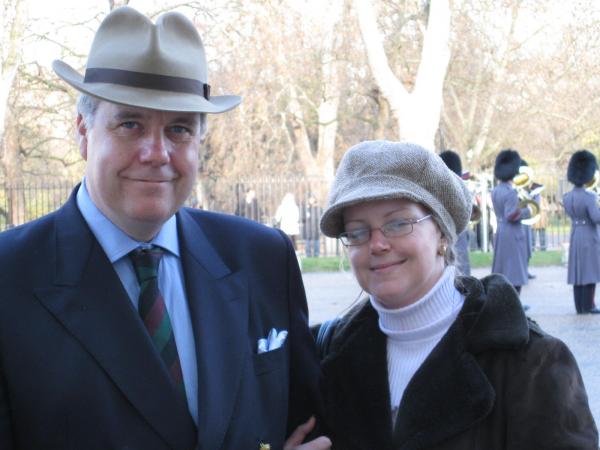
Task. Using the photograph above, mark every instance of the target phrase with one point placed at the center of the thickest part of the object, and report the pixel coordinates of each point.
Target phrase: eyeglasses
(394, 229)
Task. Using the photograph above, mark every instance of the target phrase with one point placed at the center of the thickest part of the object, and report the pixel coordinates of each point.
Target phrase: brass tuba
(475, 214)
(475, 209)
(523, 179)
(523, 183)
(592, 185)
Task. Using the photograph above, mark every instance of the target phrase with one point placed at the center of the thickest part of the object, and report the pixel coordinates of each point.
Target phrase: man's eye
(179, 129)
(130, 125)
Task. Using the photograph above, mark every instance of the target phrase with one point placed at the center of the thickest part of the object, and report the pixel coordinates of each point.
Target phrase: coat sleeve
(547, 405)
(512, 212)
(304, 396)
(567, 204)
(5, 423)
(591, 205)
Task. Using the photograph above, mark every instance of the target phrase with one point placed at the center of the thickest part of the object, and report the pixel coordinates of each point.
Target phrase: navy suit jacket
(79, 371)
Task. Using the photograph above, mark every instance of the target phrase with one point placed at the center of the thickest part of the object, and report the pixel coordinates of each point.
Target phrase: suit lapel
(91, 303)
(218, 302)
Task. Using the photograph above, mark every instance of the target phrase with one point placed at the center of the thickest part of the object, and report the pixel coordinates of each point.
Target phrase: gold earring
(442, 249)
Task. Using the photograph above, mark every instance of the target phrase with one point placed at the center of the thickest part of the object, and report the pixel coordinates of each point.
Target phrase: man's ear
(82, 136)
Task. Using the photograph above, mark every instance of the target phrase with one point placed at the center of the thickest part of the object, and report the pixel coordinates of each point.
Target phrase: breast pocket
(268, 361)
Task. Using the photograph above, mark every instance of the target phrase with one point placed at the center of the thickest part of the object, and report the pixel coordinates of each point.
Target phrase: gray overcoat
(584, 246)
(529, 232)
(462, 253)
(510, 245)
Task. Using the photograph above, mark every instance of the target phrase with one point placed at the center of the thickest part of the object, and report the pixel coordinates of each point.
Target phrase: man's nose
(155, 148)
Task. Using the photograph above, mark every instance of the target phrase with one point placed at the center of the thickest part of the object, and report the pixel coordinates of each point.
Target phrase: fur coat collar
(448, 394)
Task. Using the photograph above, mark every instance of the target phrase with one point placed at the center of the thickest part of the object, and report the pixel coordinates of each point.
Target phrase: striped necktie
(152, 309)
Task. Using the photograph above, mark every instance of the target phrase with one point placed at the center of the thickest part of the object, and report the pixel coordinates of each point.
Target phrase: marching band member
(452, 160)
(584, 245)
(510, 251)
(529, 232)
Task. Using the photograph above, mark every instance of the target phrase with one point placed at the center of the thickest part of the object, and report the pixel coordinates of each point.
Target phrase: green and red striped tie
(152, 309)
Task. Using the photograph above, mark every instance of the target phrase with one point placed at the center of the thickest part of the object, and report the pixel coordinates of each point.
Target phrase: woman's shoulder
(334, 334)
(492, 315)
(494, 318)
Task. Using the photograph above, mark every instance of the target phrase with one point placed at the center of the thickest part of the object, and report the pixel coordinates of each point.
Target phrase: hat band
(147, 81)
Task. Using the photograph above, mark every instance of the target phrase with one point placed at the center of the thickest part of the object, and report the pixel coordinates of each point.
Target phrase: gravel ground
(548, 295)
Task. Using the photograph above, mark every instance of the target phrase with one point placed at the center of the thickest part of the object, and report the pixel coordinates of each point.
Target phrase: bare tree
(112, 4)
(11, 25)
(418, 112)
(479, 73)
(516, 78)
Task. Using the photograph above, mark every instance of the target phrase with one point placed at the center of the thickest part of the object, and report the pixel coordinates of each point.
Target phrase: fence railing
(259, 199)
(23, 202)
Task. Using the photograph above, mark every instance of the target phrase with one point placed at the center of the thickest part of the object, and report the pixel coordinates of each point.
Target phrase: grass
(324, 264)
(547, 258)
(478, 259)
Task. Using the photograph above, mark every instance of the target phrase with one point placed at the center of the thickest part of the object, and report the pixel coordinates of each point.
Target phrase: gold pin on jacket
(264, 446)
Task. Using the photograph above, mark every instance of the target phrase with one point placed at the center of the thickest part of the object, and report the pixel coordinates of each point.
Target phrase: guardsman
(452, 160)
(510, 250)
(581, 206)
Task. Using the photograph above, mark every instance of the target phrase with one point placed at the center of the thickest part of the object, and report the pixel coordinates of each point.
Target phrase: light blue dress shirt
(117, 245)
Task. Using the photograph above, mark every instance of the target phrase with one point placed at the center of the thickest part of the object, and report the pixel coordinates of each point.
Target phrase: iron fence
(259, 200)
(23, 202)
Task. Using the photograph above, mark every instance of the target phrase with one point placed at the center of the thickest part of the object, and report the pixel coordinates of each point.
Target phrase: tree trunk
(299, 134)
(328, 109)
(319, 162)
(13, 176)
(417, 113)
(112, 4)
(12, 28)
(499, 74)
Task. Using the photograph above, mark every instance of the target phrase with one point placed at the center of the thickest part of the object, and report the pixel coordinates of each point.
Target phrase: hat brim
(146, 98)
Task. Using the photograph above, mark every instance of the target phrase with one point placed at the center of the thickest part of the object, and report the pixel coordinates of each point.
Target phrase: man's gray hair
(87, 105)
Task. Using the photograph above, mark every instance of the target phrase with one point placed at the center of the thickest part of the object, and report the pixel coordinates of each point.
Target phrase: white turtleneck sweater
(414, 330)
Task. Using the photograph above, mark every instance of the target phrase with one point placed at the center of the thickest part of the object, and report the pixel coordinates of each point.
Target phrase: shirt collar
(114, 241)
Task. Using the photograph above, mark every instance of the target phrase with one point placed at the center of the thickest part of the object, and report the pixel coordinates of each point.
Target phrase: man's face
(141, 164)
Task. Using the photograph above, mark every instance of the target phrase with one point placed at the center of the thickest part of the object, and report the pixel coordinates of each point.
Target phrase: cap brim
(332, 220)
(146, 98)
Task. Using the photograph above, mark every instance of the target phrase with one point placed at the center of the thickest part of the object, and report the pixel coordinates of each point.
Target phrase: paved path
(549, 296)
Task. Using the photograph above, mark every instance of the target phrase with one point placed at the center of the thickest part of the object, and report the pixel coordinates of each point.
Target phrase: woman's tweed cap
(380, 170)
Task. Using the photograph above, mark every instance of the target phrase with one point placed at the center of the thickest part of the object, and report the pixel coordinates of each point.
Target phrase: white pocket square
(273, 341)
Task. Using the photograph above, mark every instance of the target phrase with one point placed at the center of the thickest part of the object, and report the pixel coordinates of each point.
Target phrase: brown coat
(495, 381)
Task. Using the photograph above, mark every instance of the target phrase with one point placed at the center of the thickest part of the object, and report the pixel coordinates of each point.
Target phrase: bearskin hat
(582, 166)
(507, 164)
(452, 160)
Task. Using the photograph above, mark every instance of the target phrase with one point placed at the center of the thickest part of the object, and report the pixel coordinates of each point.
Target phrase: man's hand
(294, 442)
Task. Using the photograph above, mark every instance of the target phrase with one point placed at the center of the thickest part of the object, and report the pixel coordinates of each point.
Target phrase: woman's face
(397, 271)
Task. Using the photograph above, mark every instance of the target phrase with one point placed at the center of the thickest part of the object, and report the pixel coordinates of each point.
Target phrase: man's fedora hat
(159, 66)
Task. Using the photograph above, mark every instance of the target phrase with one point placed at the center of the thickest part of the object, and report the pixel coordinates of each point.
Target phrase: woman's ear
(442, 247)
